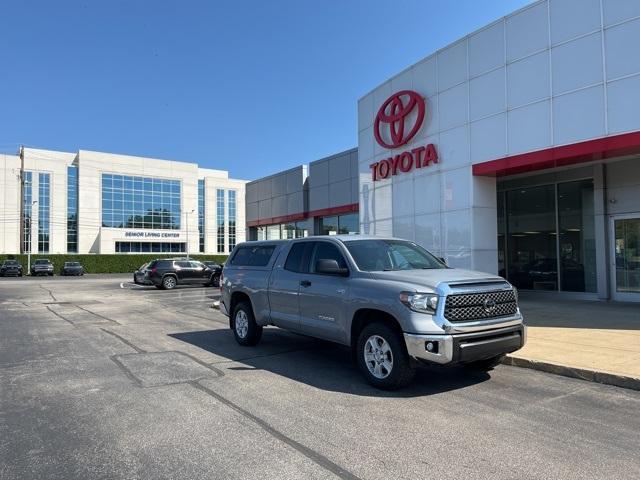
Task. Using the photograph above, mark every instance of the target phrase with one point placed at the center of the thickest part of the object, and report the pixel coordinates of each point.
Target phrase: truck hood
(433, 277)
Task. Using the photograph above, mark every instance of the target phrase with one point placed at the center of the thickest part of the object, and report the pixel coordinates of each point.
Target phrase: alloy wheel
(242, 324)
(378, 357)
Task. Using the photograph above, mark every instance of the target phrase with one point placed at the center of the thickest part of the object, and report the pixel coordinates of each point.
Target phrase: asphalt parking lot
(103, 379)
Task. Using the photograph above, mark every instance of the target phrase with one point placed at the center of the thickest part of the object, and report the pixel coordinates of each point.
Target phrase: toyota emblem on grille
(489, 305)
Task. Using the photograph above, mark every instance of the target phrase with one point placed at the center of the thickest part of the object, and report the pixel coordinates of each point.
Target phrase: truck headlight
(420, 302)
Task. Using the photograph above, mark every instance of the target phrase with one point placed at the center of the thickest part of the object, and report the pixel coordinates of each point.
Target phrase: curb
(606, 378)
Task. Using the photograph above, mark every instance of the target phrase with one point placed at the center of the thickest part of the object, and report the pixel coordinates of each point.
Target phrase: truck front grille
(479, 306)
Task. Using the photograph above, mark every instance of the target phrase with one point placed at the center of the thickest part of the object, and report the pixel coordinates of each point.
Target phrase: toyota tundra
(394, 303)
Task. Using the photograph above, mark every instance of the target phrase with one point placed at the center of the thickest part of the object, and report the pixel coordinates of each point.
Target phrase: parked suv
(11, 267)
(217, 271)
(72, 268)
(167, 273)
(390, 300)
(42, 266)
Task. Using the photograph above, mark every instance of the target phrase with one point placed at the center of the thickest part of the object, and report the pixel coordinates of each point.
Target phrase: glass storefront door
(546, 237)
(626, 257)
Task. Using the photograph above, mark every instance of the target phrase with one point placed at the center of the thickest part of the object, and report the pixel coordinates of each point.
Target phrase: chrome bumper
(468, 347)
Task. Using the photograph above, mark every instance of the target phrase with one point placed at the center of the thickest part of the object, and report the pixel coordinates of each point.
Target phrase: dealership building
(514, 150)
(92, 202)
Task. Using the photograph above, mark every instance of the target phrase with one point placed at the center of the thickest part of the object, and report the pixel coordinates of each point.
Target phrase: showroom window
(283, 231)
(546, 237)
(140, 202)
(339, 224)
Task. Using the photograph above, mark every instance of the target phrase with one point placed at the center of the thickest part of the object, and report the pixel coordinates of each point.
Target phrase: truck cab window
(326, 251)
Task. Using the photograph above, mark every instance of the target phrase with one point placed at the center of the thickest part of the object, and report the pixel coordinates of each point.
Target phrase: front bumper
(41, 271)
(466, 347)
(6, 273)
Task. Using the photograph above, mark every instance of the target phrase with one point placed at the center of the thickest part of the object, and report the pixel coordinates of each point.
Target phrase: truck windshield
(388, 255)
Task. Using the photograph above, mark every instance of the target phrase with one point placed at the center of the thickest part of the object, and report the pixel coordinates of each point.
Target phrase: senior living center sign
(399, 119)
(151, 234)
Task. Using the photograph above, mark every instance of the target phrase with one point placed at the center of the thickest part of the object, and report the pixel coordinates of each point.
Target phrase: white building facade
(94, 202)
(515, 150)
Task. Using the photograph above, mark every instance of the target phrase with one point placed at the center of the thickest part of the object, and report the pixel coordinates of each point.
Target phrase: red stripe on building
(582, 152)
(325, 212)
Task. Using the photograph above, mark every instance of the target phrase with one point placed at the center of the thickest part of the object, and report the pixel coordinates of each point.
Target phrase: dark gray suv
(167, 274)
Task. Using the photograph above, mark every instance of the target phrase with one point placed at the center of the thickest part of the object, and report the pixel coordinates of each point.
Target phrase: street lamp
(187, 220)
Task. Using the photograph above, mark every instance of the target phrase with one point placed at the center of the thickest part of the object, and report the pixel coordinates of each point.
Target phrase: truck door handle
(305, 283)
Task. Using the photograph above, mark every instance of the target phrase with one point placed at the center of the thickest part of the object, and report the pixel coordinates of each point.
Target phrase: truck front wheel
(382, 357)
(245, 328)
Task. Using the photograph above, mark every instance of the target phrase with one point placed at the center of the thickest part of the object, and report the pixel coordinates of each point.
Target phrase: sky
(252, 87)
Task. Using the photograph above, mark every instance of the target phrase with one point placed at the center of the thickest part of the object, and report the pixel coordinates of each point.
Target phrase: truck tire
(247, 332)
(486, 364)
(383, 358)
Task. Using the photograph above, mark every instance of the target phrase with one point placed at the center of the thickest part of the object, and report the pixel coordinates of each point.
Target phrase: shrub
(116, 263)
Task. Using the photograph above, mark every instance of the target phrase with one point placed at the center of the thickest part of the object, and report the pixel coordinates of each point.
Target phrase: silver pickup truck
(390, 300)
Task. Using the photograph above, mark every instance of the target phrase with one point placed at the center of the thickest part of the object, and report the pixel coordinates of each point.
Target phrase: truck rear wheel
(245, 328)
(383, 358)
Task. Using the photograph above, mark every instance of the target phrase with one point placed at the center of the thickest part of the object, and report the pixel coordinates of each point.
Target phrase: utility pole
(187, 220)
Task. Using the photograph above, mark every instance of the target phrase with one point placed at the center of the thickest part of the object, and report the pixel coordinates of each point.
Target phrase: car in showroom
(72, 268)
(166, 274)
(11, 268)
(391, 301)
(42, 266)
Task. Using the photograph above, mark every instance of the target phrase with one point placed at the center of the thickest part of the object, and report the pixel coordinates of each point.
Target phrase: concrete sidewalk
(596, 341)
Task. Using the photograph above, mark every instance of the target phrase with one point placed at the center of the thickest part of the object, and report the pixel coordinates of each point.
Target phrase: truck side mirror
(330, 267)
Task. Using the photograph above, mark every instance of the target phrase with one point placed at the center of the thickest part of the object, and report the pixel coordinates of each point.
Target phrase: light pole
(30, 237)
(187, 220)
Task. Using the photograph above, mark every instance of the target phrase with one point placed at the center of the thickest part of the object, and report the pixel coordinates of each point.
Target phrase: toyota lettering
(398, 120)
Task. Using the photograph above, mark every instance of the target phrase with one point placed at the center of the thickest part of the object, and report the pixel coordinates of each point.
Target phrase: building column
(484, 225)
(601, 225)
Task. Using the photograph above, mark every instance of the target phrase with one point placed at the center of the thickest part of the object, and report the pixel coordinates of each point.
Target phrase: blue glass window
(232, 218)
(27, 207)
(145, 247)
(140, 202)
(44, 211)
(220, 219)
(201, 215)
(72, 209)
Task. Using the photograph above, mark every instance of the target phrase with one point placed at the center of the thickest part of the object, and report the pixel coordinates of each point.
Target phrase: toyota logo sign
(395, 125)
(393, 114)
